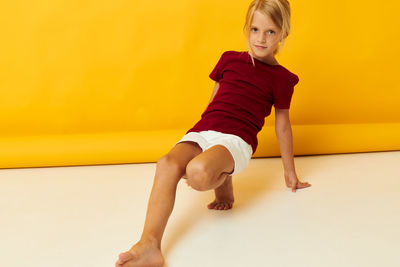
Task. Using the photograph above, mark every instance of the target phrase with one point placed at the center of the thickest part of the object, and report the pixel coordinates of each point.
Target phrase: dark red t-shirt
(245, 96)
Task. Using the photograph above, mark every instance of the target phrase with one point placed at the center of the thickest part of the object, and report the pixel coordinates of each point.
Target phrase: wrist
(290, 172)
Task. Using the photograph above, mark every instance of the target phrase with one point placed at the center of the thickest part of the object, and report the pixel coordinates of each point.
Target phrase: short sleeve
(216, 74)
(284, 91)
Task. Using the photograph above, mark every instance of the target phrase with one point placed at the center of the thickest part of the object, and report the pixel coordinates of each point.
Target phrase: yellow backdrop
(99, 82)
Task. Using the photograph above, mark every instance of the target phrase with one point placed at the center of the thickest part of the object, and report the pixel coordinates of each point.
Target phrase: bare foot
(142, 254)
(223, 196)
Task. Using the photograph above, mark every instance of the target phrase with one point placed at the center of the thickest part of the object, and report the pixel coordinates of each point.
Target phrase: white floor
(86, 216)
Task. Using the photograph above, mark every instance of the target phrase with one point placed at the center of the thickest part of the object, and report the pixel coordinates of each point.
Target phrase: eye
(255, 29)
(271, 32)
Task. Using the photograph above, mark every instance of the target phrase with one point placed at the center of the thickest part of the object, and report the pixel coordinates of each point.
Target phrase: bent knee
(197, 176)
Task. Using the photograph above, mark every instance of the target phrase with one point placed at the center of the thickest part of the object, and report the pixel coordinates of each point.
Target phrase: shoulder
(234, 54)
(288, 76)
(236, 57)
(230, 53)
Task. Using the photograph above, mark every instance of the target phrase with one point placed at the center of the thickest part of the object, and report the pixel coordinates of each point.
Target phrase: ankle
(150, 239)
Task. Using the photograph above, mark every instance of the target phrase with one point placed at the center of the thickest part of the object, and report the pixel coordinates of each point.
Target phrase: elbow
(281, 129)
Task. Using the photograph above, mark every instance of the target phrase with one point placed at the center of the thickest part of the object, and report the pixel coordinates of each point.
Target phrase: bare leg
(204, 171)
(169, 170)
(211, 170)
(223, 196)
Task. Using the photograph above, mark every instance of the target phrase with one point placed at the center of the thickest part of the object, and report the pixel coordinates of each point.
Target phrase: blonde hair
(278, 11)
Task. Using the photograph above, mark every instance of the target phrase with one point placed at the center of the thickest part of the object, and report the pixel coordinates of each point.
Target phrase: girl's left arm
(283, 132)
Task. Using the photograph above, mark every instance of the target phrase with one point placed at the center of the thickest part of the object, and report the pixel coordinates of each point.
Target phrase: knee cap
(196, 177)
(168, 164)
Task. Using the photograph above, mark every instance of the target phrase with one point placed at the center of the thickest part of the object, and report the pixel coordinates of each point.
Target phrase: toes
(219, 205)
(124, 257)
(119, 263)
(212, 205)
(226, 206)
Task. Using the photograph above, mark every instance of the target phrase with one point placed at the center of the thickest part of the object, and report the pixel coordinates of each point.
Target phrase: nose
(261, 38)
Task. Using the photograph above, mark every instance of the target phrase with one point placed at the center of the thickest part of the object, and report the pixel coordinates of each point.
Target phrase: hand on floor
(294, 183)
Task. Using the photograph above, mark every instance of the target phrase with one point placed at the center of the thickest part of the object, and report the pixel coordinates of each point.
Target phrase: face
(264, 37)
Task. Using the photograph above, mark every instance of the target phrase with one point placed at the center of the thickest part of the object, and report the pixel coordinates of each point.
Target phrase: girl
(223, 141)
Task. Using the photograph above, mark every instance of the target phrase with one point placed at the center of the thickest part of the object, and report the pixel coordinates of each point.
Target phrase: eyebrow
(270, 27)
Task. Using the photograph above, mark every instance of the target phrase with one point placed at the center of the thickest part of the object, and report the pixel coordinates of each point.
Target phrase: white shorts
(240, 150)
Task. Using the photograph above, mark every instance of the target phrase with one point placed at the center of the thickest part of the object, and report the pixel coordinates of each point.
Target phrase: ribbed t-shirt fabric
(245, 96)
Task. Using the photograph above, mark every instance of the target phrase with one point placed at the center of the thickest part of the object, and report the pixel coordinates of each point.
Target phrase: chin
(262, 55)
(259, 53)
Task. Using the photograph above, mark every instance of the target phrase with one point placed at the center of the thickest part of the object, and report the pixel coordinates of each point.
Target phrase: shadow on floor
(248, 186)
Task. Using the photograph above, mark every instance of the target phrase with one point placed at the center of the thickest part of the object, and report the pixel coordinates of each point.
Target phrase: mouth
(260, 47)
